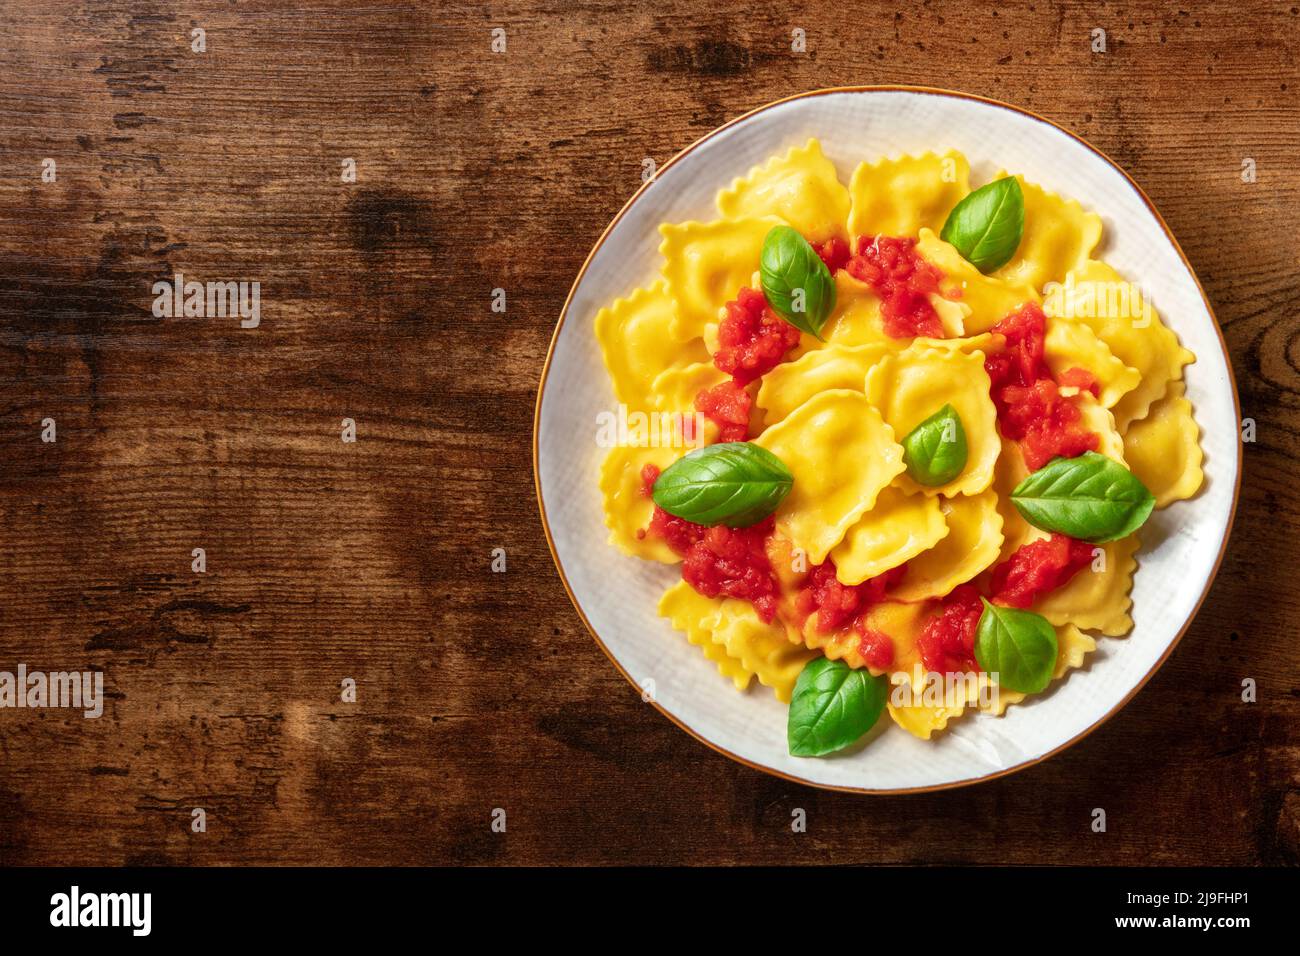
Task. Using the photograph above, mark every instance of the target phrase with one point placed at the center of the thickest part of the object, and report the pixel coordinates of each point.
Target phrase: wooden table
(370, 560)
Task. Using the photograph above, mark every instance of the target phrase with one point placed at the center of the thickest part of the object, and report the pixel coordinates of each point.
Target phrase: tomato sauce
(876, 647)
(836, 604)
(947, 639)
(1081, 379)
(903, 281)
(752, 339)
(733, 562)
(835, 253)
(1030, 407)
(1038, 567)
(727, 404)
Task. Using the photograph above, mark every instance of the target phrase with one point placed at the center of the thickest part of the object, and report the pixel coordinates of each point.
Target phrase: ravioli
(1060, 235)
(836, 407)
(1116, 311)
(899, 197)
(1070, 345)
(902, 622)
(791, 384)
(1009, 472)
(698, 617)
(973, 543)
(627, 509)
(800, 187)
(855, 320)
(1164, 451)
(1101, 422)
(705, 266)
(1096, 598)
(910, 386)
(842, 455)
(635, 339)
(898, 528)
(990, 300)
(674, 389)
(920, 716)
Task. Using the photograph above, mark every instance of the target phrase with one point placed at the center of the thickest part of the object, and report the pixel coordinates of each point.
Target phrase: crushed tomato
(718, 561)
(733, 562)
(876, 647)
(947, 639)
(835, 253)
(752, 339)
(836, 604)
(1038, 567)
(1081, 379)
(903, 281)
(1030, 407)
(727, 404)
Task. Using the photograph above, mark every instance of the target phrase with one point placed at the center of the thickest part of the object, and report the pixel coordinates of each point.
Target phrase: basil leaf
(796, 282)
(1091, 497)
(1017, 646)
(986, 226)
(833, 705)
(733, 483)
(935, 450)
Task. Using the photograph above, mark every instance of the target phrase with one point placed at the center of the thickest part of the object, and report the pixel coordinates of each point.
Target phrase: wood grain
(371, 560)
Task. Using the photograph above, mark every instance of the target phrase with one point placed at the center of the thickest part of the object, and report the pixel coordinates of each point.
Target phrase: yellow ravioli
(902, 622)
(842, 454)
(627, 510)
(1096, 598)
(1099, 420)
(1070, 345)
(800, 187)
(791, 384)
(900, 197)
(1163, 449)
(973, 542)
(934, 699)
(989, 299)
(898, 528)
(1059, 236)
(1096, 295)
(1010, 471)
(675, 389)
(635, 339)
(855, 320)
(698, 617)
(910, 386)
(705, 266)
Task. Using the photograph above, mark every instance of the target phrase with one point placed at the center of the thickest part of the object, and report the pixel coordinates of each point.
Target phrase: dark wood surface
(371, 560)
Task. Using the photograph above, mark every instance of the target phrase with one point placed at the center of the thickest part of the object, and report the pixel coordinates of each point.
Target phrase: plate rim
(1223, 347)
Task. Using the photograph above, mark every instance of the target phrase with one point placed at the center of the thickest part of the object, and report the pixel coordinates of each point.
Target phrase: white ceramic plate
(617, 595)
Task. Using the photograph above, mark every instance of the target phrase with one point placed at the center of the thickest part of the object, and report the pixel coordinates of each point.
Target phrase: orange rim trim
(1223, 345)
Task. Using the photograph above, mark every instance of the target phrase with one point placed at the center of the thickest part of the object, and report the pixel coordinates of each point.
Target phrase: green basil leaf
(1019, 647)
(733, 483)
(935, 450)
(796, 282)
(986, 226)
(833, 705)
(1092, 497)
